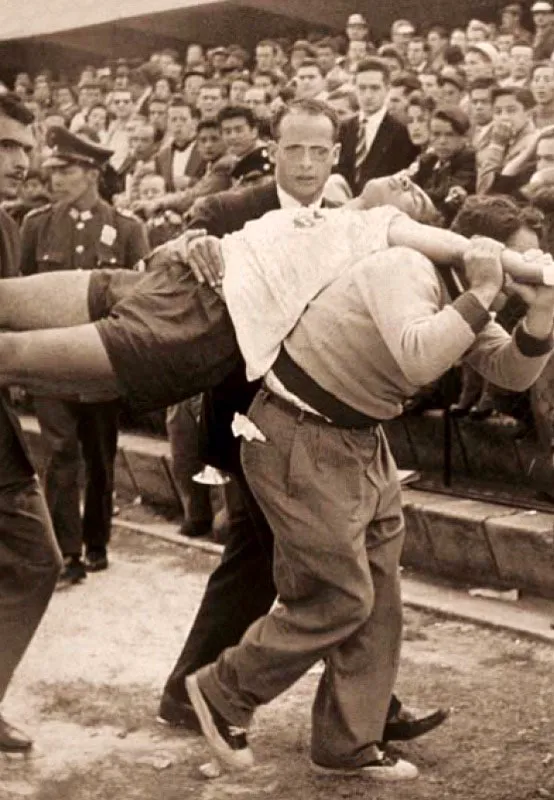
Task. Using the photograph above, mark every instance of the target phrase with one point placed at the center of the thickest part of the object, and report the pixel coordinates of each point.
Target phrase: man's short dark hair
(541, 65)
(438, 29)
(178, 101)
(390, 51)
(310, 62)
(343, 93)
(205, 124)
(497, 217)
(234, 112)
(268, 43)
(426, 104)
(13, 107)
(374, 65)
(521, 95)
(273, 76)
(310, 106)
(482, 83)
(327, 43)
(213, 84)
(407, 81)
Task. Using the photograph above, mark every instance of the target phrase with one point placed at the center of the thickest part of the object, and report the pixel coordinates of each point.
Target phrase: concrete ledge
(468, 540)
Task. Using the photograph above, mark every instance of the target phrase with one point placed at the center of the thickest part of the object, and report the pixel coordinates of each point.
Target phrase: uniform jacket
(53, 240)
(390, 152)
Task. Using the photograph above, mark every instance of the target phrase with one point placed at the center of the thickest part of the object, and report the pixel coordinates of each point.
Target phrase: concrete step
(468, 540)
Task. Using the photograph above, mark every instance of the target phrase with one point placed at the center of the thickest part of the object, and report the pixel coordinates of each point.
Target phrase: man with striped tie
(373, 142)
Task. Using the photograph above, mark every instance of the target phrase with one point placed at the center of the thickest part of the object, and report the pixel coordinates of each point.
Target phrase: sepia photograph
(276, 400)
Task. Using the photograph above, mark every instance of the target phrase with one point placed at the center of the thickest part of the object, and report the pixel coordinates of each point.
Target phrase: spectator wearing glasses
(117, 138)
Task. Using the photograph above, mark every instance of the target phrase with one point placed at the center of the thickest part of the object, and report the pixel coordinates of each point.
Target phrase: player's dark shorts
(167, 336)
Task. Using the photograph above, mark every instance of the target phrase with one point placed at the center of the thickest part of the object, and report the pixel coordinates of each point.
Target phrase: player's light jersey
(277, 264)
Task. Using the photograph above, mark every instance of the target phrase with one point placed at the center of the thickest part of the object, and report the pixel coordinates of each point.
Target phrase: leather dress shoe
(196, 529)
(96, 561)
(178, 713)
(408, 723)
(12, 740)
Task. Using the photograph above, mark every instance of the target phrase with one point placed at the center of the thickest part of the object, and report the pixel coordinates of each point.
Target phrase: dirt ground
(89, 688)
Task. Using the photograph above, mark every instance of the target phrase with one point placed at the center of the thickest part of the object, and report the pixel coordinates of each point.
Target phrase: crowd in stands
(462, 111)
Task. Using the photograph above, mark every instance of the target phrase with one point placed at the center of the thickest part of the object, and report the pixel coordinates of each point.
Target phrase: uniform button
(80, 249)
(80, 226)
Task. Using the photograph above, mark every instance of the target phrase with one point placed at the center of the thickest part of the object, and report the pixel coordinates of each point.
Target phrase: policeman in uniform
(79, 232)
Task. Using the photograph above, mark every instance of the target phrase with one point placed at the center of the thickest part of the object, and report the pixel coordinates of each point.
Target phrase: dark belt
(301, 385)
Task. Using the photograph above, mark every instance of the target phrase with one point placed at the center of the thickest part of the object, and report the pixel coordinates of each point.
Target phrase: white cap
(487, 49)
(542, 6)
(356, 19)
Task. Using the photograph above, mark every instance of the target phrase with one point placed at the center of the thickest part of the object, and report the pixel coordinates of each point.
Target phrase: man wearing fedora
(79, 231)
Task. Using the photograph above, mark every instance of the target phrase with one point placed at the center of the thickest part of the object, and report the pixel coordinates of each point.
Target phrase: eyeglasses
(296, 152)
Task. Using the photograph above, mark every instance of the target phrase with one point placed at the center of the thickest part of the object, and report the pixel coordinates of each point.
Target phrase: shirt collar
(288, 201)
(377, 117)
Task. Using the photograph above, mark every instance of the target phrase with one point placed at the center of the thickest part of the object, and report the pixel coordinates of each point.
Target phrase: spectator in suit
(417, 55)
(157, 116)
(429, 82)
(392, 58)
(266, 56)
(480, 110)
(400, 90)
(447, 174)
(178, 162)
(310, 81)
(238, 87)
(373, 143)
(211, 99)
(192, 83)
(437, 40)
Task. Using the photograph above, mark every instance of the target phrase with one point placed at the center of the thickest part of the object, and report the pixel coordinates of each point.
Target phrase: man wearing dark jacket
(448, 172)
(29, 557)
(241, 589)
(373, 142)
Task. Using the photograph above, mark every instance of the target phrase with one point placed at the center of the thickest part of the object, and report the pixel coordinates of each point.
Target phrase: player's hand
(483, 267)
(537, 297)
(206, 260)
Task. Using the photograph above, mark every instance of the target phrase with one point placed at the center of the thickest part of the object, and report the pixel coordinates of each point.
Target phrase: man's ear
(271, 151)
(336, 153)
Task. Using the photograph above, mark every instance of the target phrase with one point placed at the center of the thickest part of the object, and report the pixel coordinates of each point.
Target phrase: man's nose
(21, 159)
